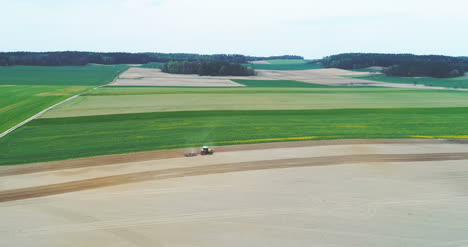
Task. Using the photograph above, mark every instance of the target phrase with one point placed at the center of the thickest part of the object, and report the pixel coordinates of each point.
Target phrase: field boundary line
(8, 131)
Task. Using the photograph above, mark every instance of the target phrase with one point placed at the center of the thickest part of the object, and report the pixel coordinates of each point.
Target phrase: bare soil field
(154, 77)
(334, 77)
(324, 193)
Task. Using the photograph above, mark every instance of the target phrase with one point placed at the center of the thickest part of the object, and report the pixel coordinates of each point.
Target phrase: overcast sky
(311, 28)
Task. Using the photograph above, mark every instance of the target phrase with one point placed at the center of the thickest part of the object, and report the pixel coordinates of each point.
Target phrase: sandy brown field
(154, 77)
(334, 77)
(325, 193)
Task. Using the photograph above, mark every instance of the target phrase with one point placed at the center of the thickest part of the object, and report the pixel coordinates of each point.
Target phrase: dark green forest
(207, 68)
(70, 58)
(407, 65)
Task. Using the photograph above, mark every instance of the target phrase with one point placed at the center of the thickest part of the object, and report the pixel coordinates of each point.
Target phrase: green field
(26, 90)
(65, 138)
(458, 82)
(66, 75)
(18, 103)
(115, 100)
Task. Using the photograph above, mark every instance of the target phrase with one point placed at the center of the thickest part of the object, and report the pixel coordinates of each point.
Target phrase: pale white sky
(309, 28)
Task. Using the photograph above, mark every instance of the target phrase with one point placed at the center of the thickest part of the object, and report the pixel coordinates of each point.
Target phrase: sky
(310, 28)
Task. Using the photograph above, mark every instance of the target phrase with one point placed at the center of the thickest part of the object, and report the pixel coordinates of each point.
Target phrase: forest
(207, 68)
(401, 64)
(69, 58)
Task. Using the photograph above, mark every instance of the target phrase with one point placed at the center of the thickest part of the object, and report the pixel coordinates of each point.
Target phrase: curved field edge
(67, 138)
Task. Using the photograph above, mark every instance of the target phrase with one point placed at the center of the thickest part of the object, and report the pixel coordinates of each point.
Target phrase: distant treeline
(207, 68)
(407, 65)
(82, 58)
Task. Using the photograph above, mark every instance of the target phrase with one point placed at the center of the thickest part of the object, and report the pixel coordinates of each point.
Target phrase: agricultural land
(303, 154)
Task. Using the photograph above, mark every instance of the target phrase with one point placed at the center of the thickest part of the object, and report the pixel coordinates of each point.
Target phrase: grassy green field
(66, 75)
(458, 82)
(115, 100)
(26, 90)
(18, 103)
(287, 66)
(65, 138)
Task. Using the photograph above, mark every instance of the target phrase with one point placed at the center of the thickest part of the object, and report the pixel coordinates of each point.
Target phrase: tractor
(206, 151)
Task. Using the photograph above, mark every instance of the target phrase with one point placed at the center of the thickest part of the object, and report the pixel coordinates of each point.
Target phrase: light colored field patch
(339, 99)
(354, 204)
(154, 77)
(333, 77)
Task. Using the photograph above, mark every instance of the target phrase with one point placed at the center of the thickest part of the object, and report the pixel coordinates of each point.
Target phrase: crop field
(118, 100)
(66, 75)
(65, 138)
(26, 90)
(458, 82)
(20, 102)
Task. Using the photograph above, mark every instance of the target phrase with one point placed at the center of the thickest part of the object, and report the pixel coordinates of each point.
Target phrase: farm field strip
(65, 138)
(413, 193)
(18, 103)
(420, 82)
(291, 66)
(317, 153)
(40, 89)
(154, 77)
(115, 100)
(89, 75)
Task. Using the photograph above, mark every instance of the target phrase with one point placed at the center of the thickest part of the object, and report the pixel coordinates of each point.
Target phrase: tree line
(70, 58)
(401, 64)
(207, 68)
